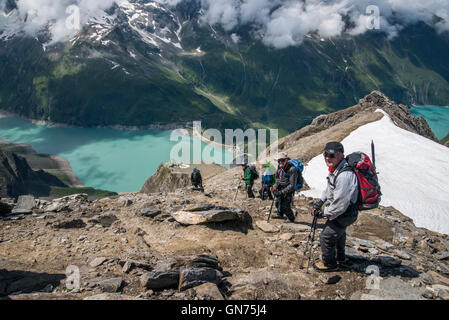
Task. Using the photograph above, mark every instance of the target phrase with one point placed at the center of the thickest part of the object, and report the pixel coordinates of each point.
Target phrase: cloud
(286, 22)
(35, 15)
(279, 23)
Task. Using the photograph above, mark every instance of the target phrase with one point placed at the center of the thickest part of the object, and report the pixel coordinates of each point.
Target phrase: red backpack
(369, 188)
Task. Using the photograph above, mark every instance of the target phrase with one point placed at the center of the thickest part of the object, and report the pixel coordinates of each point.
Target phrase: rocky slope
(132, 247)
(184, 244)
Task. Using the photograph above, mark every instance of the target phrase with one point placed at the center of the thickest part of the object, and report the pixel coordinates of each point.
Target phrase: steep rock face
(399, 113)
(17, 177)
(349, 119)
(165, 179)
(168, 179)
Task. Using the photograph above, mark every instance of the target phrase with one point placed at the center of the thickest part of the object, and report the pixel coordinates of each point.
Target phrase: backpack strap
(344, 169)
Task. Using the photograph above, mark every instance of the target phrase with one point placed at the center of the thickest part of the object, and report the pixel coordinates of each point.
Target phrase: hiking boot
(288, 220)
(278, 216)
(321, 267)
(343, 263)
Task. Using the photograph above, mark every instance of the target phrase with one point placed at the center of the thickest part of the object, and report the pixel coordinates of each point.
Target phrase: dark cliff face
(399, 113)
(17, 177)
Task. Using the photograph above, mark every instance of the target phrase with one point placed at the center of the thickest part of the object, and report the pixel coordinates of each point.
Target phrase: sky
(279, 23)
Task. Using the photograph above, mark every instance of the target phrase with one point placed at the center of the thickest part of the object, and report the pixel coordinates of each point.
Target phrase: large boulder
(209, 213)
(160, 280)
(25, 205)
(193, 277)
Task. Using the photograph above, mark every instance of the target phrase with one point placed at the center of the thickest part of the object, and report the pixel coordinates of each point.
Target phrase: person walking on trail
(248, 177)
(268, 180)
(285, 187)
(342, 195)
(196, 179)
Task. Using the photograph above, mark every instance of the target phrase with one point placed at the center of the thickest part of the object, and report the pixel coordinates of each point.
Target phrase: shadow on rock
(18, 281)
(237, 226)
(383, 266)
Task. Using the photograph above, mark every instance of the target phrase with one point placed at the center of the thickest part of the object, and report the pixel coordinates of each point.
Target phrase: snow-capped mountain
(144, 62)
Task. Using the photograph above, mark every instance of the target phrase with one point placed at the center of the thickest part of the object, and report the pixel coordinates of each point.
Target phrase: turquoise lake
(102, 158)
(436, 116)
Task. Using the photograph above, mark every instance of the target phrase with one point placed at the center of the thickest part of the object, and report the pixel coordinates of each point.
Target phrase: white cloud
(285, 22)
(281, 22)
(39, 14)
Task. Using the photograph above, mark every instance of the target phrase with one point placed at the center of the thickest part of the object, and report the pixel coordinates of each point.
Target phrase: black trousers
(249, 190)
(284, 206)
(265, 191)
(332, 242)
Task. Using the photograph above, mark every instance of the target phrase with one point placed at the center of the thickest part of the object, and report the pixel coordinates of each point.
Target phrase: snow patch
(413, 172)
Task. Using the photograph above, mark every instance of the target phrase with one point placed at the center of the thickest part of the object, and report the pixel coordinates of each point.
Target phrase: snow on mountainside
(154, 23)
(413, 172)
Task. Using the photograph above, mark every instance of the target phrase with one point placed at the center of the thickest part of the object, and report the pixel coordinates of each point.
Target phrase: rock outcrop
(310, 140)
(17, 177)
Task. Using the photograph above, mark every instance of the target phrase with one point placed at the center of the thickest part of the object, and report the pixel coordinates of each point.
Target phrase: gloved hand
(317, 209)
(276, 193)
(318, 205)
(318, 213)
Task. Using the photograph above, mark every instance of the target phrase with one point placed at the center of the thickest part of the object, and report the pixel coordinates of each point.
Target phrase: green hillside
(226, 86)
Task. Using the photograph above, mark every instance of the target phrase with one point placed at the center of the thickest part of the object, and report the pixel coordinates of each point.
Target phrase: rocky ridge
(133, 247)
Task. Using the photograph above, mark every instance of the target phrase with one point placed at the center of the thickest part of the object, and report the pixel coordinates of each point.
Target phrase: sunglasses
(329, 155)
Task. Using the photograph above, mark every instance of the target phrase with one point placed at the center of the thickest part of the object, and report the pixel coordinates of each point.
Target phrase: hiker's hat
(281, 155)
(334, 147)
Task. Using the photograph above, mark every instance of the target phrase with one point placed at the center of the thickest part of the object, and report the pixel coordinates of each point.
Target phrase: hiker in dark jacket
(285, 187)
(342, 194)
(248, 178)
(196, 179)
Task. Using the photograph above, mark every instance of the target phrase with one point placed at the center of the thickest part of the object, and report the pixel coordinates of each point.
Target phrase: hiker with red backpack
(351, 186)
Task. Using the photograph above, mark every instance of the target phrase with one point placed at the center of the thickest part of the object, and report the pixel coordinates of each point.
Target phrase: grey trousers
(332, 242)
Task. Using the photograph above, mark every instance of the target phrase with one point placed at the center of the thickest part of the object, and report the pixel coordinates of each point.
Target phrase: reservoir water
(102, 158)
(436, 116)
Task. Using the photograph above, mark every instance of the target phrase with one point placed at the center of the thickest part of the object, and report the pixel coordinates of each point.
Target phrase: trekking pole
(271, 209)
(309, 244)
(313, 229)
(236, 191)
(373, 154)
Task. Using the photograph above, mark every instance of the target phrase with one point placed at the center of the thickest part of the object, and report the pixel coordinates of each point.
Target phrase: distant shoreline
(162, 127)
(158, 126)
(427, 105)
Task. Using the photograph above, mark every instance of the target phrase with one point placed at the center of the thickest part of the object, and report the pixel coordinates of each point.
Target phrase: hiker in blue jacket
(268, 180)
